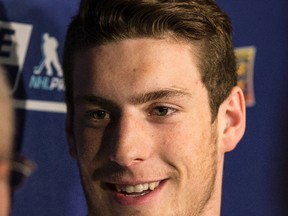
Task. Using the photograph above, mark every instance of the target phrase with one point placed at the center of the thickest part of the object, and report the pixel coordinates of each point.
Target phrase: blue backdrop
(255, 174)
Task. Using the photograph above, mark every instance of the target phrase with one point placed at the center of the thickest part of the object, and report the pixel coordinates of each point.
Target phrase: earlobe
(234, 119)
(70, 137)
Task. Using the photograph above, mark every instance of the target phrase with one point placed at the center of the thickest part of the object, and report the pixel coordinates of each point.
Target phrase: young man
(6, 134)
(152, 105)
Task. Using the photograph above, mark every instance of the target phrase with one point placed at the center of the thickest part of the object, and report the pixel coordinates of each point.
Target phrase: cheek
(185, 142)
(88, 143)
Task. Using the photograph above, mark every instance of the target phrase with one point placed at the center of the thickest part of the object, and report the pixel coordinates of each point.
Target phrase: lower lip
(124, 200)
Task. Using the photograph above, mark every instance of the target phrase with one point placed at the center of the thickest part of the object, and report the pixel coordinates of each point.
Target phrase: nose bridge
(130, 145)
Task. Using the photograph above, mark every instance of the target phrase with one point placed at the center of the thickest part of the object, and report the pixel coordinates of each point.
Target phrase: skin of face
(141, 115)
(4, 189)
(6, 134)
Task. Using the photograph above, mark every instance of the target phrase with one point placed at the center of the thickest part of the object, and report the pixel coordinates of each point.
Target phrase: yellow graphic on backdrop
(245, 58)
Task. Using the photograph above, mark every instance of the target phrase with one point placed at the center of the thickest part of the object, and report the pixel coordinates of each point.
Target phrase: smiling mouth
(136, 190)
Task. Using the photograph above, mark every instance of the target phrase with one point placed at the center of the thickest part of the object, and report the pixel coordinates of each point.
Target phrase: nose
(131, 142)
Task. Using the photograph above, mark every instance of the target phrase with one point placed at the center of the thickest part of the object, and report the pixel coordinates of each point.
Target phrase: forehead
(141, 50)
(138, 48)
(138, 64)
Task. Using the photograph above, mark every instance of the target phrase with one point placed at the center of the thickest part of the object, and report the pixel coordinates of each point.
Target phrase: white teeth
(145, 186)
(137, 188)
(152, 186)
(118, 188)
(129, 189)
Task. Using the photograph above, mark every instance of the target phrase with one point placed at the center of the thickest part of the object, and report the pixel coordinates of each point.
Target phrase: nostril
(125, 160)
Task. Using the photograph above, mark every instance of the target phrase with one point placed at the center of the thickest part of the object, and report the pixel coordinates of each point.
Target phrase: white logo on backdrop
(50, 57)
(14, 41)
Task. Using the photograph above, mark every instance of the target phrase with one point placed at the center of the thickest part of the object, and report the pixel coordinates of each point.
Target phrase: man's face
(5, 145)
(142, 130)
(4, 189)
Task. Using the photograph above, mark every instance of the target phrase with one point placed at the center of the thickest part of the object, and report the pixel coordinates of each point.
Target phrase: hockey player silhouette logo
(50, 58)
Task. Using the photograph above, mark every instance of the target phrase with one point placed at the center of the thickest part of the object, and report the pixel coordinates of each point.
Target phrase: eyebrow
(137, 99)
(93, 99)
(156, 95)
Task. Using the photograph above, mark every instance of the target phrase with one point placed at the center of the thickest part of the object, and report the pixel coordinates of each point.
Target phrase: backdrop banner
(255, 174)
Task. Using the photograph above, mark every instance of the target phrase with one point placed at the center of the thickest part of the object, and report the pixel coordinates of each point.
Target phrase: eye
(162, 111)
(99, 115)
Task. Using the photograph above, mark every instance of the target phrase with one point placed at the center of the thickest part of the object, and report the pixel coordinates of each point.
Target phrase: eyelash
(101, 115)
(168, 111)
(93, 114)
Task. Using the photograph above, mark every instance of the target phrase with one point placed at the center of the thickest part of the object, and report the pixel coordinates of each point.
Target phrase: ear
(70, 135)
(233, 119)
